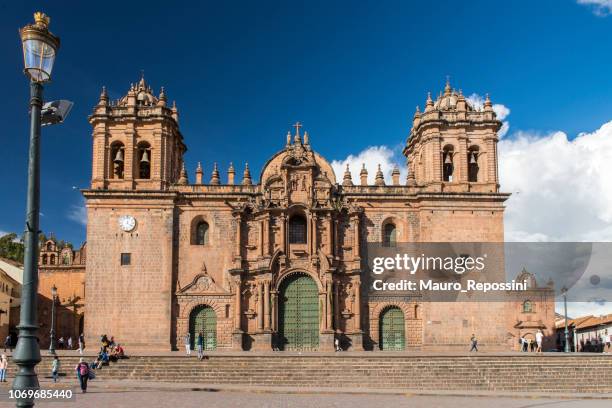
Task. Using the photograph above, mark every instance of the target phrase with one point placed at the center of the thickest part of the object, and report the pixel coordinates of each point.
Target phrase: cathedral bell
(118, 157)
(145, 157)
(448, 160)
(473, 158)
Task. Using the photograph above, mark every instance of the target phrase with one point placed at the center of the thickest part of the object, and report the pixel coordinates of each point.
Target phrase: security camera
(55, 112)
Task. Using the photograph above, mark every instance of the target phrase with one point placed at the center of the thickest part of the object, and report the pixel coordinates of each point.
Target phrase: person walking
(8, 343)
(188, 343)
(60, 342)
(55, 366)
(82, 370)
(200, 342)
(474, 342)
(539, 337)
(81, 343)
(70, 343)
(3, 367)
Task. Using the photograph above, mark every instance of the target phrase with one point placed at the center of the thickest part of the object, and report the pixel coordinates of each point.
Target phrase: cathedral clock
(127, 223)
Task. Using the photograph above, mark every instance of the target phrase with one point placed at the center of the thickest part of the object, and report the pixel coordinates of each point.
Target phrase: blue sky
(243, 72)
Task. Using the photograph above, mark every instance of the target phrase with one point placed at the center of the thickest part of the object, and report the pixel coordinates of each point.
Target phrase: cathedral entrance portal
(299, 313)
(203, 319)
(392, 331)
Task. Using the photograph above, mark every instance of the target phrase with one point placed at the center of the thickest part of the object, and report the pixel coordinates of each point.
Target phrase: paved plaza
(127, 394)
(212, 399)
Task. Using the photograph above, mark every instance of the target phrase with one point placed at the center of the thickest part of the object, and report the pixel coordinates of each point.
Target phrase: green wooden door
(203, 319)
(299, 314)
(392, 330)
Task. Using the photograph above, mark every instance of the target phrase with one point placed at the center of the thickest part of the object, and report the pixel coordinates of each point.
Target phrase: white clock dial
(127, 223)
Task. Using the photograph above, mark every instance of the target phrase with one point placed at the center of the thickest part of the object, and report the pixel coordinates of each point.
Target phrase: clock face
(127, 223)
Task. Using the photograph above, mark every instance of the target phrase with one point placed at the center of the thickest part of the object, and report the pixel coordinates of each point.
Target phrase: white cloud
(372, 156)
(561, 188)
(78, 213)
(600, 8)
(502, 112)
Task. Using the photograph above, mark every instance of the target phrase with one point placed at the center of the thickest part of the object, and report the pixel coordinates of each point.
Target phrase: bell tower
(452, 145)
(137, 144)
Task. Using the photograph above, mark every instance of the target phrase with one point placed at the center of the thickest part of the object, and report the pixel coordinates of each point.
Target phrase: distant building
(64, 268)
(586, 333)
(11, 274)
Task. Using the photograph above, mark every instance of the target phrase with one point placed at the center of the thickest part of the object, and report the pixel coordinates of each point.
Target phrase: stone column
(260, 306)
(266, 235)
(267, 305)
(273, 307)
(357, 311)
(337, 305)
(330, 235)
(283, 229)
(237, 306)
(328, 305)
(261, 238)
(237, 333)
(237, 252)
(356, 246)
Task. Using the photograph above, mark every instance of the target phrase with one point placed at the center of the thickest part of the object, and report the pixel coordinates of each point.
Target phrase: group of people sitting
(109, 351)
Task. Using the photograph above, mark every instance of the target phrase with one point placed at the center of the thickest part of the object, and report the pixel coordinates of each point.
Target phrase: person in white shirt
(539, 337)
(188, 343)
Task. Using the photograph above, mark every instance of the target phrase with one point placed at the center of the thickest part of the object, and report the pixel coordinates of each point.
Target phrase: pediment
(202, 284)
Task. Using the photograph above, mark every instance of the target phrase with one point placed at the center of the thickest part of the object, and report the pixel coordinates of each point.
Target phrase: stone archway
(203, 319)
(392, 329)
(298, 313)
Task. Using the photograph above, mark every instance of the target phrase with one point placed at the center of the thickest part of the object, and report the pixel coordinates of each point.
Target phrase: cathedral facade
(276, 262)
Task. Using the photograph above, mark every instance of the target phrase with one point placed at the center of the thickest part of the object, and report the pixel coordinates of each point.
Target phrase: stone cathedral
(274, 262)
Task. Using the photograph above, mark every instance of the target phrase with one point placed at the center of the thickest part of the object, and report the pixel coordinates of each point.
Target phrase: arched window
(297, 229)
(66, 259)
(389, 235)
(201, 233)
(118, 159)
(447, 163)
(144, 160)
(49, 246)
(527, 306)
(52, 259)
(473, 164)
(44, 259)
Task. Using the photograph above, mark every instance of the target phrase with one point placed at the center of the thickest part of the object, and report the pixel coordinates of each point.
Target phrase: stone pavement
(106, 395)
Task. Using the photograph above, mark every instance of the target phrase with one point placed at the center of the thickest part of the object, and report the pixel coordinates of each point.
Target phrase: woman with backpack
(82, 370)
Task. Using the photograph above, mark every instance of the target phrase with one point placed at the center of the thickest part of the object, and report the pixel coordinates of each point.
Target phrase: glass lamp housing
(39, 48)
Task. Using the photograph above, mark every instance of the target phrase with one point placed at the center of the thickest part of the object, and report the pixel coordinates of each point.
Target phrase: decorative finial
(306, 138)
(183, 181)
(42, 20)
(347, 180)
(380, 177)
(103, 97)
(246, 176)
(297, 139)
(417, 111)
(214, 179)
(288, 138)
(174, 106)
(447, 87)
(231, 174)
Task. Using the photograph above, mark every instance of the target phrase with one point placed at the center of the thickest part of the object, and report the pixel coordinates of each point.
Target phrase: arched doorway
(392, 329)
(203, 319)
(298, 313)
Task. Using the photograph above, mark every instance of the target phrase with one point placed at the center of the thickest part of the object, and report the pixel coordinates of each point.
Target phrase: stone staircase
(548, 373)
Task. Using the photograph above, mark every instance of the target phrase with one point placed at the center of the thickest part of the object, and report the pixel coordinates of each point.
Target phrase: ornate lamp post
(567, 346)
(52, 331)
(39, 49)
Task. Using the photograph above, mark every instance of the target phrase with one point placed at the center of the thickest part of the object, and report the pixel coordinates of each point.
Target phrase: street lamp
(52, 331)
(39, 50)
(567, 347)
